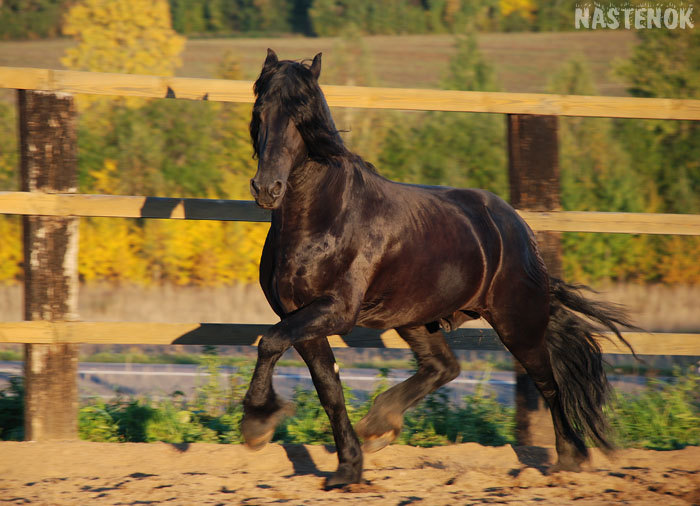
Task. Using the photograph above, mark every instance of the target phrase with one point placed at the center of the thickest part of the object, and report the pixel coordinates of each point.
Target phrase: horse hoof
(256, 443)
(572, 467)
(375, 443)
(345, 475)
(258, 431)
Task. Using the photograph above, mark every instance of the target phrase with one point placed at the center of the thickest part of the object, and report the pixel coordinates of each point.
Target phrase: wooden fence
(51, 339)
(129, 206)
(221, 90)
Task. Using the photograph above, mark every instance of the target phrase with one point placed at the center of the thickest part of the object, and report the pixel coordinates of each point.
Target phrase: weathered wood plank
(70, 81)
(48, 163)
(125, 206)
(654, 344)
(619, 223)
(511, 103)
(42, 332)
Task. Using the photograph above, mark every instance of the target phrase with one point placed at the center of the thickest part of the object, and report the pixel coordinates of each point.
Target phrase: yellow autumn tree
(126, 36)
(242, 242)
(523, 8)
(136, 37)
(11, 254)
(110, 249)
(680, 263)
(174, 251)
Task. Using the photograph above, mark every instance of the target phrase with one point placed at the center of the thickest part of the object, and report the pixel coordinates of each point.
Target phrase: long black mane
(291, 86)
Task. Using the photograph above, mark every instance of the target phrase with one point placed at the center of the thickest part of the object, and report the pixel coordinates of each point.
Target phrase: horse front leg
(262, 408)
(318, 356)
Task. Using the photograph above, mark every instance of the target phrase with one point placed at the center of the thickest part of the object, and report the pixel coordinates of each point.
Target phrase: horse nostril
(254, 188)
(276, 188)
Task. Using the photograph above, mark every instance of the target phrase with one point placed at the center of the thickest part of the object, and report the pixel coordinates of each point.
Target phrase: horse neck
(316, 187)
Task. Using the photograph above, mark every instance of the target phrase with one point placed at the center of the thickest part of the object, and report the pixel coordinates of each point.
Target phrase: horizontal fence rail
(234, 334)
(70, 81)
(116, 206)
(127, 206)
(51, 349)
(618, 223)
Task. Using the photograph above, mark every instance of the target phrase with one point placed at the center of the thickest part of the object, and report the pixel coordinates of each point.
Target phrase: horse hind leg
(437, 365)
(527, 341)
(570, 446)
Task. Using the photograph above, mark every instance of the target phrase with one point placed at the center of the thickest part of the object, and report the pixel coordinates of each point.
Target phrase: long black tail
(576, 358)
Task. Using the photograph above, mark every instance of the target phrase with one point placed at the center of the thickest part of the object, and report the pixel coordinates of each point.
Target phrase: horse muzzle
(267, 196)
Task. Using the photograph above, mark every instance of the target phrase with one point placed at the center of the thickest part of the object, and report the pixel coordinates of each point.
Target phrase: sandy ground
(159, 473)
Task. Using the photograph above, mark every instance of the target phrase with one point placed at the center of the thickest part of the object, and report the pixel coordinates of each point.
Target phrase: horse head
(290, 124)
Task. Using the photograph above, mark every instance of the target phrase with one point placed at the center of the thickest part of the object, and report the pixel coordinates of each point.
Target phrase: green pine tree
(453, 149)
(596, 175)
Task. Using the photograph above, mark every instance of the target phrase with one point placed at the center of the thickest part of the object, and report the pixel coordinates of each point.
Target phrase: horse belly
(425, 289)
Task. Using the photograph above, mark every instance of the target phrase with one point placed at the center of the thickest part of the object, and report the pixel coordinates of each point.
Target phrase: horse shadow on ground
(532, 456)
(180, 447)
(302, 461)
(297, 454)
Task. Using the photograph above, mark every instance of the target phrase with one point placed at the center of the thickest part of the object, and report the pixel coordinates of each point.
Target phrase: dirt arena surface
(128, 474)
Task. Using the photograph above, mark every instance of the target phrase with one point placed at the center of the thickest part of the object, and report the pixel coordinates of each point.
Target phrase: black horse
(348, 247)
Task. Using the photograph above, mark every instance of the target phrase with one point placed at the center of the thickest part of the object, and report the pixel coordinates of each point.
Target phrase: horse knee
(272, 345)
(444, 369)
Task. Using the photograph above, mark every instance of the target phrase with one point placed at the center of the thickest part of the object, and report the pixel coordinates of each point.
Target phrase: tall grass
(665, 416)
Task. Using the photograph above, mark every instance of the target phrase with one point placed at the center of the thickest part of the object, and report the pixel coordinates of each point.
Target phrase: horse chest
(305, 270)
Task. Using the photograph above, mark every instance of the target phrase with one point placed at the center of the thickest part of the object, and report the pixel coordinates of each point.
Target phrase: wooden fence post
(533, 170)
(48, 164)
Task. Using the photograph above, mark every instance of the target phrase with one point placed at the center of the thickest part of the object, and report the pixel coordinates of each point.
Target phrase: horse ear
(315, 67)
(271, 58)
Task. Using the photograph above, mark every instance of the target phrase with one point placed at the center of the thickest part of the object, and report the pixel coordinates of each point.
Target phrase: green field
(523, 61)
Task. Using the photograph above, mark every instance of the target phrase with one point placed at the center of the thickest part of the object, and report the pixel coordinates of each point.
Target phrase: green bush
(435, 421)
(666, 416)
(95, 423)
(148, 421)
(11, 355)
(12, 410)
(310, 425)
(481, 419)
(212, 416)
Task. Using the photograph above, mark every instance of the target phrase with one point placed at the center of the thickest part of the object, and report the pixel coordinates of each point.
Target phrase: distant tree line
(202, 149)
(31, 19)
(34, 19)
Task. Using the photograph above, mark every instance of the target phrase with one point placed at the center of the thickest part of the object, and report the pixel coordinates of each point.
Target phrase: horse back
(450, 246)
(438, 250)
